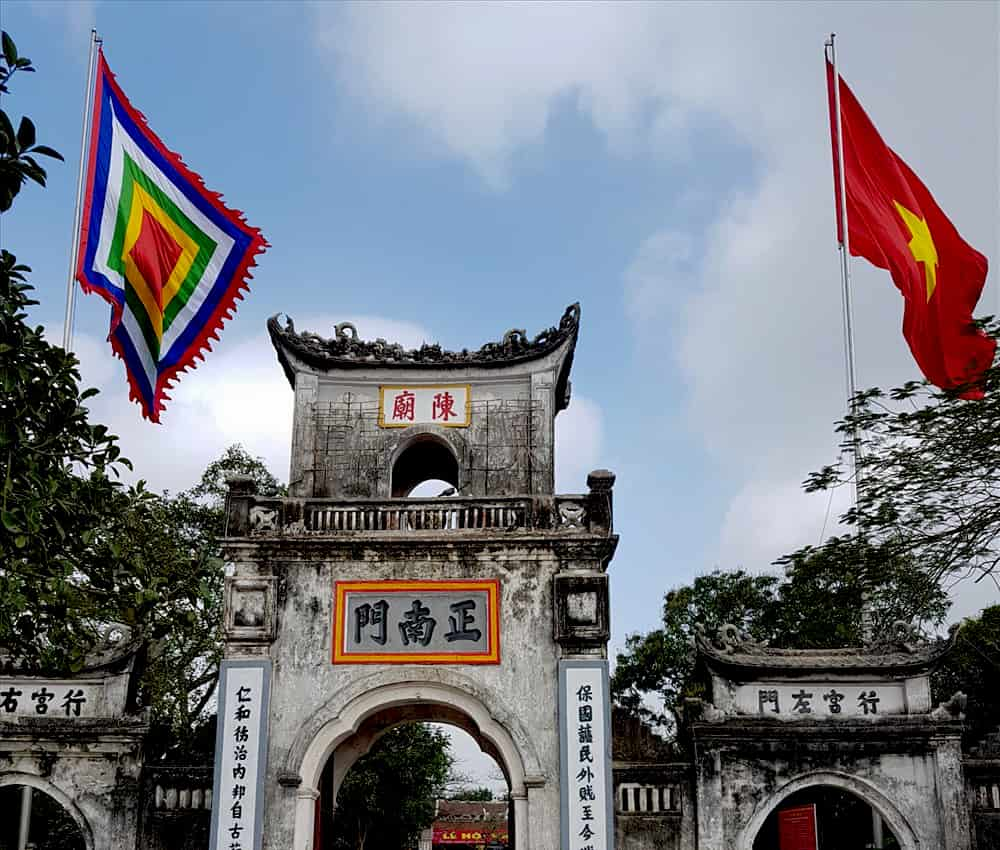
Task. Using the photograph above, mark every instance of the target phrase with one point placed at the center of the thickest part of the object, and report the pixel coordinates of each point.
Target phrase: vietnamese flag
(894, 223)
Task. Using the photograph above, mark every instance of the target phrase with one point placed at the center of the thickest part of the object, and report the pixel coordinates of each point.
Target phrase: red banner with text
(797, 828)
(470, 833)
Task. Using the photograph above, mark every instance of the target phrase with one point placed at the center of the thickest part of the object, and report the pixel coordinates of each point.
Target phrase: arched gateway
(351, 609)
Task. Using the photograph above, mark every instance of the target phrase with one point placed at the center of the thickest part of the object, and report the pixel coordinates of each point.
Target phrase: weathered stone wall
(982, 784)
(83, 747)
(176, 807)
(906, 768)
(339, 450)
(654, 788)
(307, 689)
(90, 767)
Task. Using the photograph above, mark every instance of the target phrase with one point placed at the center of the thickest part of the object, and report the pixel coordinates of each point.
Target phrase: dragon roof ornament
(346, 348)
(898, 649)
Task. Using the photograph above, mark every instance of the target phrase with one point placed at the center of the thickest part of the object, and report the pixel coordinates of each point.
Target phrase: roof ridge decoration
(346, 349)
(115, 647)
(899, 646)
(728, 639)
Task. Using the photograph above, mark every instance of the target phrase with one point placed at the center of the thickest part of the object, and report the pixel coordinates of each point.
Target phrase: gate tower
(351, 608)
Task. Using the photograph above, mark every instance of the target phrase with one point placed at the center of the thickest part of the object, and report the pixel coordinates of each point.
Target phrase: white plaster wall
(86, 785)
(307, 687)
(736, 793)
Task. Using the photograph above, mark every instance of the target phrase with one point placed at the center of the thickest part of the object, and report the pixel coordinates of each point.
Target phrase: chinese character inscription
(380, 620)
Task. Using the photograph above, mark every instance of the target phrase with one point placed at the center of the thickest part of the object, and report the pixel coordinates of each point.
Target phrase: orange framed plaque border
(490, 656)
(382, 423)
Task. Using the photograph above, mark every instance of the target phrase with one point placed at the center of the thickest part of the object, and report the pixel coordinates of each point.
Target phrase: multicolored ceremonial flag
(894, 222)
(163, 250)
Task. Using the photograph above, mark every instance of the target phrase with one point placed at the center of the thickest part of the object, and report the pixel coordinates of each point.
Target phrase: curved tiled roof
(346, 350)
(733, 651)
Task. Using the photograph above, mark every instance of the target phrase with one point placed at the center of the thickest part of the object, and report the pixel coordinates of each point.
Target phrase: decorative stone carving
(729, 639)
(901, 636)
(347, 348)
(263, 520)
(953, 709)
(250, 609)
(581, 608)
(572, 514)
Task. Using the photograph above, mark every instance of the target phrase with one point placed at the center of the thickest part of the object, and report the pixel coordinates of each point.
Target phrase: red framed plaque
(416, 622)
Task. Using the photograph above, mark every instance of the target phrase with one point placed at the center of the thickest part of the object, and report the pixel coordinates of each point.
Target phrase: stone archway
(438, 701)
(56, 794)
(844, 781)
(425, 452)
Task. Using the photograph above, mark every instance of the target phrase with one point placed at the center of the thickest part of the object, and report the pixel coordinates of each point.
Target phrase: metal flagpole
(845, 247)
(845, 276)
(75, 239)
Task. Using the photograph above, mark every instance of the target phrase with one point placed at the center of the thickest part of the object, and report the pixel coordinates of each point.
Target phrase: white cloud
(238, 394)
(482, 79)
(78, 17)
(753, 299)
(662, 270)
(579, 444)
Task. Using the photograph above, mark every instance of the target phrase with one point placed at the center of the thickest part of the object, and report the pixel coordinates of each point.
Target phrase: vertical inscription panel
(416, 622)
(240, 754)
(585, 750)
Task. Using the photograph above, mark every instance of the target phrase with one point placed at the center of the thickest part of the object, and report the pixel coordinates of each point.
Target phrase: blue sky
(446, 172)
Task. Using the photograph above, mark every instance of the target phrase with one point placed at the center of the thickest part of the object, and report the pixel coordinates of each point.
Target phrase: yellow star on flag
(921, 246)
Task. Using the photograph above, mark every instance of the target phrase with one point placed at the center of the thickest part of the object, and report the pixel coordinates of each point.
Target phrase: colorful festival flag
(163, 250)
(895, 224)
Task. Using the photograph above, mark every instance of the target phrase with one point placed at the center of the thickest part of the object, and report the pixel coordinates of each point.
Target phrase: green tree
(389, 794)
(235, 460)
(181, 532)
(78, 550)
(662, 662)
(928, 474)
(973, 667)
(826, 589)
(59, 486)
(474, 795)
(816, 604)
(17, 150)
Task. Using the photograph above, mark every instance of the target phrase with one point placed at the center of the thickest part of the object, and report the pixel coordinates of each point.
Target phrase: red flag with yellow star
(894, 223)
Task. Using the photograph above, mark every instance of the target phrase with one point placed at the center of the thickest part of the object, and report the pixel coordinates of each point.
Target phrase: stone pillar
(708, 778)
(951, 802)
(302, 475)
(599, 503)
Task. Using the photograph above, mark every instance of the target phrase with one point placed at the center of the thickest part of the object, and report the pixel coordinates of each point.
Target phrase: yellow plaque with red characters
(454, 621)
(448, 405)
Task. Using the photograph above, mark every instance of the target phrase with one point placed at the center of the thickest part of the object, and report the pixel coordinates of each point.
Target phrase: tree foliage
(18, 150)
(389, 794)
(472, 795)
(973, 667)
(183, 664)
(817, 604)
(662, 661)
(59, 469)
(79, 551)
(928, 474)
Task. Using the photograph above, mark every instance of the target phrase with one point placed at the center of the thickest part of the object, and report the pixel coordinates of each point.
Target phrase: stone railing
(986, 795)
(250, 515)
(180, 789)
(634, 798)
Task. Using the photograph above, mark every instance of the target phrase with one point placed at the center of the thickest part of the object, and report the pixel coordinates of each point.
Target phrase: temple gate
(351, 608)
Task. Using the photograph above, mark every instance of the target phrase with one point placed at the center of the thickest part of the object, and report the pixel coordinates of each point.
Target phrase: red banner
(797, 828)
(470, 833)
